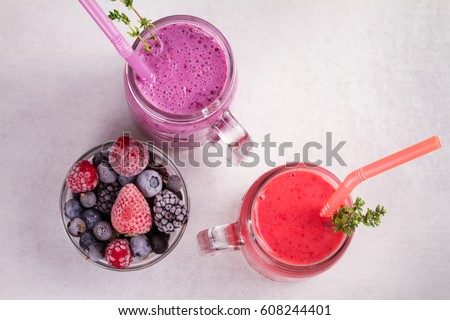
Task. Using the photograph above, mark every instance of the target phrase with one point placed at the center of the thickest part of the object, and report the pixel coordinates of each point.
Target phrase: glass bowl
(159, 157)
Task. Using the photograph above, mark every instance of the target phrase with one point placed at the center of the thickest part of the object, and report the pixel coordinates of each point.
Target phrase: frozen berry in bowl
(91, 217)
(105, 173)
(87, 239)
(73, 209)
(106, 196)
(76, 227)
(131, 213)
(140, 246)
(96, 251)
(103, 230)
(126, 180)
(174, 183)
(170, 212)
(159, 243)
(108, 212)
(82, 177)
(128, 157)
(88, 199)
(149, 183)
(118, 253)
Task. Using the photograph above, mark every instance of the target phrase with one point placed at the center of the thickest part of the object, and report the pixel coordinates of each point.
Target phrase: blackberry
(170, 212)
(106, 196)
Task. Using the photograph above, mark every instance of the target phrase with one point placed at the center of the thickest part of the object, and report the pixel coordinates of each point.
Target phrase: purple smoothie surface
(190, 69)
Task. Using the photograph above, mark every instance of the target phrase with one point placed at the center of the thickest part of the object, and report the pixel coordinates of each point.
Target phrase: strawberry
(82, 177)
(118, 253)
(128, 157)
(131, 213)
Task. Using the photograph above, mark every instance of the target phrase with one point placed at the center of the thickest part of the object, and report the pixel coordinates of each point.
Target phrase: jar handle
(220, 239)
(230, 131)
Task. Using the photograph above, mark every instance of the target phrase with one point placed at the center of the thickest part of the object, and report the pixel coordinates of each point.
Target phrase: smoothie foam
(190, 69)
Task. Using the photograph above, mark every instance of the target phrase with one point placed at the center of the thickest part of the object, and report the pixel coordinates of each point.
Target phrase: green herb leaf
(134, 31)
(124, 18)
(128, 3)
(145, 23)
(348, 218)
(114, 15)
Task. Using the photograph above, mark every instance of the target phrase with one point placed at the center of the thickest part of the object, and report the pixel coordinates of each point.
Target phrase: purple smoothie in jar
(193, 85)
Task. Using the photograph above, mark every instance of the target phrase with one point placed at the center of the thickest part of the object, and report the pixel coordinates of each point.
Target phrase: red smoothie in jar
(287, 220)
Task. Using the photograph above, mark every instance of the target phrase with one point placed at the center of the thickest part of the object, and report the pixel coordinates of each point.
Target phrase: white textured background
(375, 73)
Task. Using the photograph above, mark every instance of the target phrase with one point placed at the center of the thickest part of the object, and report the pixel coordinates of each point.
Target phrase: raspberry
(170, 211)
(118, 254)
(128, 157)
(131, 213)
(82, 177)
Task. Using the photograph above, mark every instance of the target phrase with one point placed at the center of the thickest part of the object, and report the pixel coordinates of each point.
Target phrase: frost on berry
(131, 213)
(128, 157)
(170, 213)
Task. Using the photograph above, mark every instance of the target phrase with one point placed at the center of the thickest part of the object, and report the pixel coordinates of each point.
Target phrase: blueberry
(99, 157)
(91, 217)
(149, 182)
(87, 239)
(88, 199)
(103, 230)
(175, 183)
(106, 174)
(159, 243)
(73, 209)
(126, 180)
(140, 246)
(95, 251)
(76, 227)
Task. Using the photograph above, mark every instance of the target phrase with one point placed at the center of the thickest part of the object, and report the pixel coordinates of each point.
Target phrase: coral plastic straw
(117, 39)
(356, 177)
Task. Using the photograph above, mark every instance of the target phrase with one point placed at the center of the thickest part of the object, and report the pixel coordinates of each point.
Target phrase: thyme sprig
(348, 218)
(135, 31)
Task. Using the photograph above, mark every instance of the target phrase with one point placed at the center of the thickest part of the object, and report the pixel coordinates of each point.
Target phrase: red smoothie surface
(287, 218)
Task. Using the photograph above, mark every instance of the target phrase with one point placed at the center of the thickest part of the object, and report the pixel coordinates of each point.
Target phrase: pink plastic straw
(356, 177)
(117, 39)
